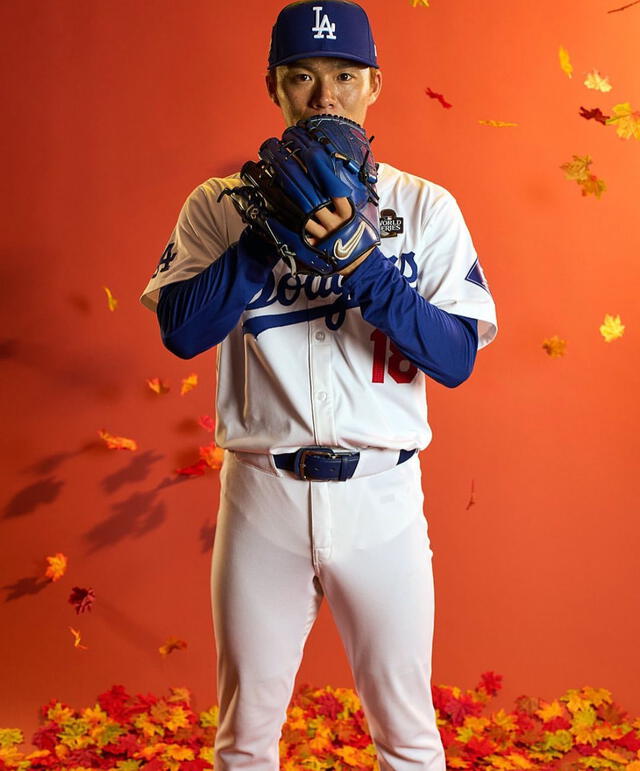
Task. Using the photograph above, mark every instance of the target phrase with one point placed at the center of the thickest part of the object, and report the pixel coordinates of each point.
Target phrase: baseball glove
(320, 158)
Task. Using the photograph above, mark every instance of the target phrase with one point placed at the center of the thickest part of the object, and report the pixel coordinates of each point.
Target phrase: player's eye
(345, 76)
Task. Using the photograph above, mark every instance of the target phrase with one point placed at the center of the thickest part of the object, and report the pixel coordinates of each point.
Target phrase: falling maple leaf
(595, 81)
(565, 64)
(433, 95)
(416, 3)
(592, 185)
(496, 123)
(196, 470)
(57, 566)
(76, 641)
(555, 346)
(578, 170)
(595, 114)
(206, 421)
(472, 498)
(157, 386)
(627, 121)
(117, 442)
(188, 384)
(112, 303)
(81, 599)
(172, 644)
(611, 328)
(624, 7)
(212, 455)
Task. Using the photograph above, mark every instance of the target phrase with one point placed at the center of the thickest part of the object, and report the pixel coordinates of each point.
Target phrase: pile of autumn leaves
(326, 729)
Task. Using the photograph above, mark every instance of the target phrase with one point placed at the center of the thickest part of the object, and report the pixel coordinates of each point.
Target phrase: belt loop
(343, 475)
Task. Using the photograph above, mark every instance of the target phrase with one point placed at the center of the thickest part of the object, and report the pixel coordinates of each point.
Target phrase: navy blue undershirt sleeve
(443, 345)
(199, 312)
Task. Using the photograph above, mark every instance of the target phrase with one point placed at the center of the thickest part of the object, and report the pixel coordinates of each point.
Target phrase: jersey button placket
(320, 358)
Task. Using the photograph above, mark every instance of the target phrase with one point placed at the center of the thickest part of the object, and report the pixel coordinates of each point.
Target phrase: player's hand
(328, 219)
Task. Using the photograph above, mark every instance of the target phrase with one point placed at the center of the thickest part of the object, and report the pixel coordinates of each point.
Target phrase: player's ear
(375, 84)
(270, 80)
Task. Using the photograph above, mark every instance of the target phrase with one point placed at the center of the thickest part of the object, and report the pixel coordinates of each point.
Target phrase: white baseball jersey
(302, 367)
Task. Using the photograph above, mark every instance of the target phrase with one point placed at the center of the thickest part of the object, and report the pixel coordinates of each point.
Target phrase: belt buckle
(301, 455)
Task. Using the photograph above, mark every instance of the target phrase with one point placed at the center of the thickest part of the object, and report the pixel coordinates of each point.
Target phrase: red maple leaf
(196, 470)
(81, 599)
(433, 95)
(490, 682)
(595, 114)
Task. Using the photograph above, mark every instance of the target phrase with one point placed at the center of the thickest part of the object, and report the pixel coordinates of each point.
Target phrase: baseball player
(321, 411)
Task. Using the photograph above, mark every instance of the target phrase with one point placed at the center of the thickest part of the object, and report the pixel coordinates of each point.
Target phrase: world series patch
(390, 224)
(476, 276)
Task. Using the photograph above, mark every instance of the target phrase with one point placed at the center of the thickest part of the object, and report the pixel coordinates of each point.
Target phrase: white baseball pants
(281, 545)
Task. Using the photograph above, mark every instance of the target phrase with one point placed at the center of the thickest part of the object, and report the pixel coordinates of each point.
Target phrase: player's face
(324, 85)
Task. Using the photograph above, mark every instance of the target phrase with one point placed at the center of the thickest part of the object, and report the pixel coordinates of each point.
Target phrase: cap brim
(325, 53)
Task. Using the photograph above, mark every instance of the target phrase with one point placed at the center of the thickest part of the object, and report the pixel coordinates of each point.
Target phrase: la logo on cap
(324, 28)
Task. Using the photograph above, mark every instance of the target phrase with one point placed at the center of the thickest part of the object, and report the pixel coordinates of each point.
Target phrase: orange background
(114, 112)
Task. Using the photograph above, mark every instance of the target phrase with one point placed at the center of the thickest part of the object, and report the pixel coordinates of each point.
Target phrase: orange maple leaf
(212, 455)
(157, 386)
(76, 642)
(555, 346)
(172, 644)
(117, 442)
(112, 303)
(188, 384)
(57, 566)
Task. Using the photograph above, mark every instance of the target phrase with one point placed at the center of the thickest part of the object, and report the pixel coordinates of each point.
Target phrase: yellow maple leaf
(578, 168)
(595, 81)
(555, 346)
(157, 386)
(76, 639)
(611, 328)
(117, 442)
(112, 303)
(57, 566)
(565, 64)
(496, 123)
(212, 455)
(416, 3)
(627, 121)
(188, 384)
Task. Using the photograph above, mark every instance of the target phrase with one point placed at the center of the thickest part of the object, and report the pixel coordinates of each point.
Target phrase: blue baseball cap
(337, 28)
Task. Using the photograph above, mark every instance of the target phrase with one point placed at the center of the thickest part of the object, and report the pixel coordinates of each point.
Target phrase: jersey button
(320, 336)
(321, 396)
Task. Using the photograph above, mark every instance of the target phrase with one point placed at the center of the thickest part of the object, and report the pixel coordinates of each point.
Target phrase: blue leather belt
(325, 463)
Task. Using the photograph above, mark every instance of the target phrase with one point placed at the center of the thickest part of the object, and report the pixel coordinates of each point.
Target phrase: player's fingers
(342, 208)
(315, 229)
